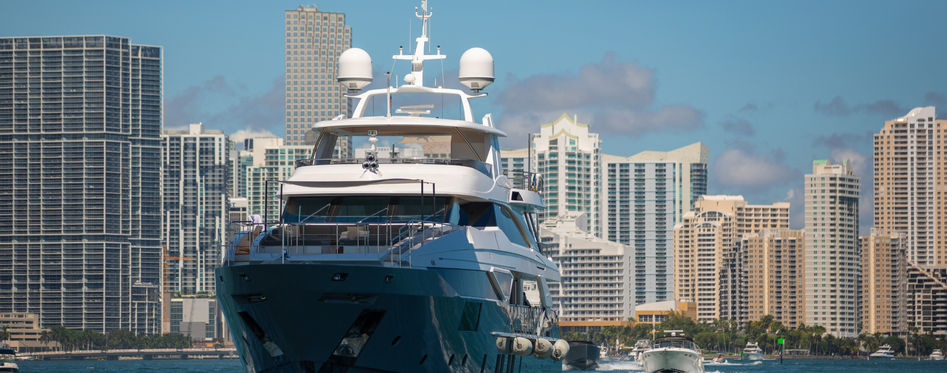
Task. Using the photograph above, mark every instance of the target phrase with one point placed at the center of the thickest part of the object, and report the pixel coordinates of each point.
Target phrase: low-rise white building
(596, 274)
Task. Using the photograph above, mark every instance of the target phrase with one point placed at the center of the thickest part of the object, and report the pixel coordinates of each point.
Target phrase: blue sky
(768, 86)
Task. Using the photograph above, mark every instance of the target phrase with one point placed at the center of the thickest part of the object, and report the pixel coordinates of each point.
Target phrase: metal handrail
(317, 211)
(373, 215)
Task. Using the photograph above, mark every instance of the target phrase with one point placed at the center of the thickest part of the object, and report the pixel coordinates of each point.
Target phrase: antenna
(416, 76)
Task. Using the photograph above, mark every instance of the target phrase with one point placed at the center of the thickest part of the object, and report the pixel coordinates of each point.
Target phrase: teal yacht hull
(326, 317)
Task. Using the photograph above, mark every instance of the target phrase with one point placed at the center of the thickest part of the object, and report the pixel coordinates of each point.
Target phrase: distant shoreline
(812, 357)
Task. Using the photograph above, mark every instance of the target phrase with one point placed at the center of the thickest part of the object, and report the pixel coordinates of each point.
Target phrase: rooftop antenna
(416, 76)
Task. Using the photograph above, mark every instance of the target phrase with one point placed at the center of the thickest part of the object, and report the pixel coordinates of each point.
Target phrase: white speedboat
(937, 355)
(752, 351)
(677, 354)
(883, 353)
(7, 364)
(416, 255)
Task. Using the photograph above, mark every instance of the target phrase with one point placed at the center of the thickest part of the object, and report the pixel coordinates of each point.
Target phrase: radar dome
(476, 69)
(355, 68)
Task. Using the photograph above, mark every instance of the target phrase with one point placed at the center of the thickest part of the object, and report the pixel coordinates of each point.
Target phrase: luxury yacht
(7, 357)
(885, 352)
(752, 351)
(414, 252)
(937, 355)
(677, 353)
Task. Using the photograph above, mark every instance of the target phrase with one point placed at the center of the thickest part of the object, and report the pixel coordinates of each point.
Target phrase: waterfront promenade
(137, 354)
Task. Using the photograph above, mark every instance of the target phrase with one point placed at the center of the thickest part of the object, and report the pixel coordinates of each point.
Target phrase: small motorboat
(937, 355)
(674, 354)
(582, 355)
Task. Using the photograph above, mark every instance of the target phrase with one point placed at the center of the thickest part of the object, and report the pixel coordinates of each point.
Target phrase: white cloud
(744, 170)
(613, 96)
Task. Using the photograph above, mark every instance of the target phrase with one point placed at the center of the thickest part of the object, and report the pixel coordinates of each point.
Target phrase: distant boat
(582, 355)
(752, 351)
(937, 355)
(883, 353)
(7, 355)
(641, 346)
(677, 354)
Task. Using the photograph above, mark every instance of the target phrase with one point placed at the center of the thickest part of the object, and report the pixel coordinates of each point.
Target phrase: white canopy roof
(422, 123)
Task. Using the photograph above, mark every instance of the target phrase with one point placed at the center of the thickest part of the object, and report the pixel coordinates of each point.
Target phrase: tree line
(728, 336)
(88, 339)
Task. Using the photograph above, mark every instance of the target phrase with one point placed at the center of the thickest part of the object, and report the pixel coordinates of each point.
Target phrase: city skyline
(664, 178)
(753, 81)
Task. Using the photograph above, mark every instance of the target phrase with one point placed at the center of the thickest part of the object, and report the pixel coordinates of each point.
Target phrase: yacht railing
(533, 320)
(340, 237)
(526, 180)
(475, 164)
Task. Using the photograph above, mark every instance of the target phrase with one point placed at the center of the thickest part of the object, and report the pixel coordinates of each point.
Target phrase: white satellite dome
(355, 68)
(476, 69)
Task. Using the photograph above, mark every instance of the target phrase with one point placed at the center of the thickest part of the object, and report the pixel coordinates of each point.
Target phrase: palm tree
(4, 333)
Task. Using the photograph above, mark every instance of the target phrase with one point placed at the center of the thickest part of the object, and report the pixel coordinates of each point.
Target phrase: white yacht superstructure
(752, 351)
(937, 354)
(424, 258)
(884, 352)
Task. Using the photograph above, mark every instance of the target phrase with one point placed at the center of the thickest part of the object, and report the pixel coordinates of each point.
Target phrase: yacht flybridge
(402, 246)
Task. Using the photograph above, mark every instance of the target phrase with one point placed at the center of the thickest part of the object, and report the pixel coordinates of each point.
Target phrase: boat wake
(741, 364)
(619, 365)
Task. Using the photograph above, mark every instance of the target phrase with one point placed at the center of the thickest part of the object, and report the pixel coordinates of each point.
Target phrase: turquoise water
(234, 366)
(800, 366)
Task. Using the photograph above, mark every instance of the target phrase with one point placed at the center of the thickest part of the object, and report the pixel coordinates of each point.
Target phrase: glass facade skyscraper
(80, 171)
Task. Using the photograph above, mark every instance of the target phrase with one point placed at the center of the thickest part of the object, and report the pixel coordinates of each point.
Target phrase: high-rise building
(516, 166)
(926, 303)
(833, 254)
(239, 161)
(774, 275)
(645, 195)
(80, 172)
(705, 241)
(196, 187)
(272, 163)
(909, 176)
(313, 40)
(596, 274)
(566, 154)
(884, 283)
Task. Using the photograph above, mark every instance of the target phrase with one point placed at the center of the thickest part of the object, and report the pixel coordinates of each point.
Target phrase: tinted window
(510, 226)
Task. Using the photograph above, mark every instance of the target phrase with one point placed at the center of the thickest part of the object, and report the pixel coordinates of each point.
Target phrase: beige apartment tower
(910, 184)
(313, 42)
(884, 283)
(774, 274)
(566, 153)
(833, 255)
(704, 250)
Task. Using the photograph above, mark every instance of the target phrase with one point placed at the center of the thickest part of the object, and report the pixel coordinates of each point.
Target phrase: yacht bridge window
(417, 143)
